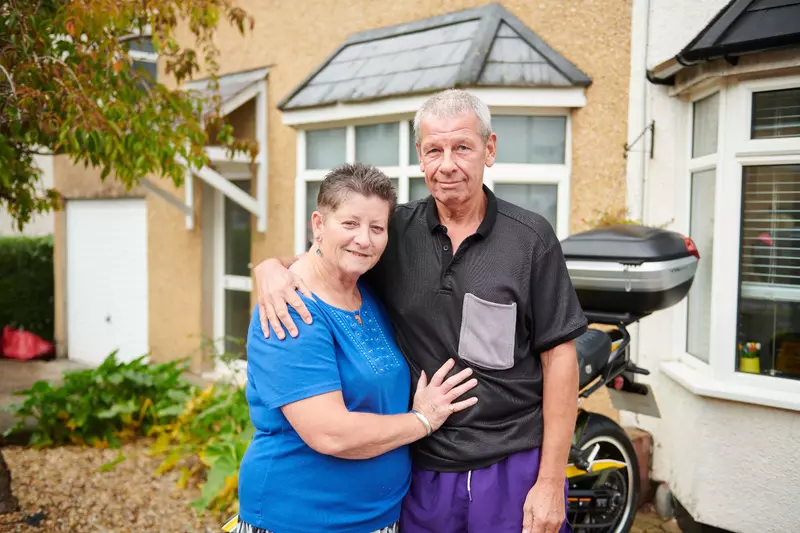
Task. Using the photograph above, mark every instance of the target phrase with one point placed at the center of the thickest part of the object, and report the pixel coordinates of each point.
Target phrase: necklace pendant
(358, 319)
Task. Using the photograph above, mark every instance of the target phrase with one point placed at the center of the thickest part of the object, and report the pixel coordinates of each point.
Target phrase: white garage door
(106, 279)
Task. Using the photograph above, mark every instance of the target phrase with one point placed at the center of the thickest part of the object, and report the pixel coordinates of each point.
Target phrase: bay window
(743, 192)
(531, 168)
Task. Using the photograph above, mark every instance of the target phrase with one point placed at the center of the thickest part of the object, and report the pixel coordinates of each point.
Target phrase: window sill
(702, 385)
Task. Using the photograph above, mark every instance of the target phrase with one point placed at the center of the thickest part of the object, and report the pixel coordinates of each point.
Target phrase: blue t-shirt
(284, 485)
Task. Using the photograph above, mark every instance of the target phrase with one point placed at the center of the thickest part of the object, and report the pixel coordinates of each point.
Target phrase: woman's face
(353, 237)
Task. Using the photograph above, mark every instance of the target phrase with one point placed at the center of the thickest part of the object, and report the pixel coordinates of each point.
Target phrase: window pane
(704, 126)
(417, 189)
(413, 157)
(147, 72)
(530, 140)
(539, 198)
(325, 148)
(312, 190)
(237, 234)
(702, 232)
(776, 114)
(141, 44)
(237, 320)
(769, 309)
(378, 144)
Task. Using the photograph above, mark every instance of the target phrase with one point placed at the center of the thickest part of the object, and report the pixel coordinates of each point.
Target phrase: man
(469, 275)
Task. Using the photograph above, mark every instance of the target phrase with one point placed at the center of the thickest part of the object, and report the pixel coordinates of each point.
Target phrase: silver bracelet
(424, 421)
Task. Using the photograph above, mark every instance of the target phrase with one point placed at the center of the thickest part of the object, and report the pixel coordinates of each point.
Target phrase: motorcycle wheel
(613, 443)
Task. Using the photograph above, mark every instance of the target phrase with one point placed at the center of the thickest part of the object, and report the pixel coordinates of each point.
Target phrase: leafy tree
(68, 85)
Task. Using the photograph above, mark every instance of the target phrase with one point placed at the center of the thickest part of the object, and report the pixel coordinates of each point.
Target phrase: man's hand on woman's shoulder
(276, 286)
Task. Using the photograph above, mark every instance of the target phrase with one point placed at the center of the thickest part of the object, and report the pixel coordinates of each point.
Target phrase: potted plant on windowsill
(749, 354)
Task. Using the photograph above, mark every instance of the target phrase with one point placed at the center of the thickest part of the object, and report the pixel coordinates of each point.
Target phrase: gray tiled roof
(485, 46)
(229, 84)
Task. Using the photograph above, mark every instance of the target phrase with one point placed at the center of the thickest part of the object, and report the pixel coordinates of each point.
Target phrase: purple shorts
(487, 500)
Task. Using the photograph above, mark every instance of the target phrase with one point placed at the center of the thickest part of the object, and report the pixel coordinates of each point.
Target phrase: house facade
(167, 270)
(717, 83)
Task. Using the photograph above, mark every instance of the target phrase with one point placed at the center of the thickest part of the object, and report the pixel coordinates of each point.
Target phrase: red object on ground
(23, 345)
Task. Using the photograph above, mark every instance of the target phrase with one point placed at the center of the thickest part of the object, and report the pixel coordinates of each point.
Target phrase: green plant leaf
(172, 410)
(107, 467)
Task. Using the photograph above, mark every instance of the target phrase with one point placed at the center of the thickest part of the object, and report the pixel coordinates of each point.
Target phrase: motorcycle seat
(594, 348)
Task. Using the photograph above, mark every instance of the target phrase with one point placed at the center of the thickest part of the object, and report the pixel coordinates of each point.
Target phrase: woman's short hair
(358, 178)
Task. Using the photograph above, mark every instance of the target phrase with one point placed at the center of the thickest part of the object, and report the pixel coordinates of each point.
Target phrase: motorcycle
(621, 275)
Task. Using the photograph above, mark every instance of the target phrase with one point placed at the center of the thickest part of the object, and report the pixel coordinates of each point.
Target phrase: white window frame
(549, 174)
(683, 221)
(735, 151)
(222, 280)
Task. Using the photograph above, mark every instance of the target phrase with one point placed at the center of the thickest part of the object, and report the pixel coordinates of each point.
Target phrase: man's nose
(448, 165)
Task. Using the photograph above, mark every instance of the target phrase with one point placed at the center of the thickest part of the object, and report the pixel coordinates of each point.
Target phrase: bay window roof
(741, 27)
(482, 47)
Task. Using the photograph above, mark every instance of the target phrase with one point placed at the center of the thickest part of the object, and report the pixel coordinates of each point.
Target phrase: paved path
(647, 521)
(20, 375)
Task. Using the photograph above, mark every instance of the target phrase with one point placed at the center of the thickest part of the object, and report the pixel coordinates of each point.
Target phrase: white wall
(39, 224)
(732, 464)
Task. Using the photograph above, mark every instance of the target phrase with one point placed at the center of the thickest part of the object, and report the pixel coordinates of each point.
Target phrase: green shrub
(216, 428)
(26, 284)
(202, 432)
(105, 406)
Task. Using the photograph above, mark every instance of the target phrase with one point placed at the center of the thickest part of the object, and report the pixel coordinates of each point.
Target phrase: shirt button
(445, 248)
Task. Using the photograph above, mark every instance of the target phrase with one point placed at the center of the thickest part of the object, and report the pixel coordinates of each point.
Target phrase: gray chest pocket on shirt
(487, 333)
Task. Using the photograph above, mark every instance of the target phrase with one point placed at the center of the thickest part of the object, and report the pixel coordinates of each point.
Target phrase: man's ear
(491, 149)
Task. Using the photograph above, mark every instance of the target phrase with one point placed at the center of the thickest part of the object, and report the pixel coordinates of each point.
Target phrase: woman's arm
(325, 424)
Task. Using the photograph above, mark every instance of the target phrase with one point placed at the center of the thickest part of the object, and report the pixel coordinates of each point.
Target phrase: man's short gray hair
(453, 103)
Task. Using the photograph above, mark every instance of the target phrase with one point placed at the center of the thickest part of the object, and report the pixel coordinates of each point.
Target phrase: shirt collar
(432, 214)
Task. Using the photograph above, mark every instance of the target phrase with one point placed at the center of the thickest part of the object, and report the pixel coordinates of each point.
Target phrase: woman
(331, 405)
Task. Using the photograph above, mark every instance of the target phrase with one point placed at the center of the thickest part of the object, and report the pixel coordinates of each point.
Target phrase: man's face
(453, 156)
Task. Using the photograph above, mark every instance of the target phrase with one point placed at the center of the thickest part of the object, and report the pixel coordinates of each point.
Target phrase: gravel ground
(66, 484)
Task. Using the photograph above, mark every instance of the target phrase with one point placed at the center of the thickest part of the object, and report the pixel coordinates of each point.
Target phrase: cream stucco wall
(731, 464)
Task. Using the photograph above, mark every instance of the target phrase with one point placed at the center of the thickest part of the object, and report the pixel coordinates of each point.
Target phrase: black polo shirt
(501, 300)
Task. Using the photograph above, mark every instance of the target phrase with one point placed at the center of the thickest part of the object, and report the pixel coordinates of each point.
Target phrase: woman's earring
(319, 243)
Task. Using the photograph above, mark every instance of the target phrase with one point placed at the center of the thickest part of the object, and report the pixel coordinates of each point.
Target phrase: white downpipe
(638, 166)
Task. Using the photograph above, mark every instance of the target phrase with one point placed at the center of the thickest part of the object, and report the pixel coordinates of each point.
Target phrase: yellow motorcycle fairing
(230, 525)
(596, 466)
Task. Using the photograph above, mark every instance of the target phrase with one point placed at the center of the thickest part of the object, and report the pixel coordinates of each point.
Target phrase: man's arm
(560, 406)
(557, 320)
(544, 509)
